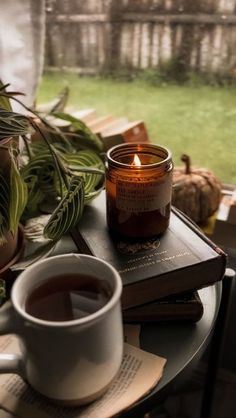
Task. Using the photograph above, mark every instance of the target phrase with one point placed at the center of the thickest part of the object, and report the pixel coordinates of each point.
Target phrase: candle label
(143, 196)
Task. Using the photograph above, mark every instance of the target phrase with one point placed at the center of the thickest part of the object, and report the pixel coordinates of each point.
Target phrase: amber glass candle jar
(138, 189)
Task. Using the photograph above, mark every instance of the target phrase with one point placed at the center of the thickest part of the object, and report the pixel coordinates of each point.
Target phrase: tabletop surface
(179, 343)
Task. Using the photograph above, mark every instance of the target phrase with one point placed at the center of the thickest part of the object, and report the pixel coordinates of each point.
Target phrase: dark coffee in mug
(68, 297)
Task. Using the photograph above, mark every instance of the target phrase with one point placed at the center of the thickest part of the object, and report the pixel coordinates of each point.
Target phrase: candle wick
(136, 161)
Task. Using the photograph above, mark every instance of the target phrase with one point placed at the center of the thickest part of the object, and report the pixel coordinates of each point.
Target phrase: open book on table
(139, 373)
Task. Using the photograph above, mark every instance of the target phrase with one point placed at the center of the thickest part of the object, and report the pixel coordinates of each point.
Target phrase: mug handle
(10, 363)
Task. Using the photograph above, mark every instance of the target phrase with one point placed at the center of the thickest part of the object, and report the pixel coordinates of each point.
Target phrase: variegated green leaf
(13, 124)
(90, 165)
(18, 196)
(39, 174)
(86, 138)
(4, 101)
(4, 208)
(35, 193)
(68, 212)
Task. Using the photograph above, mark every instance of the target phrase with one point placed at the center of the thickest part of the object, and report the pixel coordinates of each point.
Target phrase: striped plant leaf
(70, 169)
(13, 124)
(86, 164)
(68, 212)
(86, 138)
(39, 175)
(55, 139)
(90, 165)
(35, 194)
(4, 101)
(4, 208)
(18, 196)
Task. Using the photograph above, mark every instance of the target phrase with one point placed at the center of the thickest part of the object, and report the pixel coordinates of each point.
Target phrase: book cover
(86, 115)
(98, 124)
(182, 259)
(134, 131)
(182, 307)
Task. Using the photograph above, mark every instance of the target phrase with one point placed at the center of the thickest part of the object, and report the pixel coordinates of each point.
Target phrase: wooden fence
(88, 36)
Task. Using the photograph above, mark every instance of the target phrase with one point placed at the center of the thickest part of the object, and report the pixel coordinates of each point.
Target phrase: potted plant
(68, 167)
(12, 204)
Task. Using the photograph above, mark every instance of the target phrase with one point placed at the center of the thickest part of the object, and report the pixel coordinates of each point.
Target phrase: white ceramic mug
(72, 362)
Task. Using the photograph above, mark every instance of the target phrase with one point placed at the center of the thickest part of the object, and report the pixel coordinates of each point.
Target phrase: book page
(139, 373)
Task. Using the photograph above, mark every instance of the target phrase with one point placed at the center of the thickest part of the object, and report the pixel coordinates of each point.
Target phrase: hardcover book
(182, 307)
(134, 131)
(182, 259)
(97, 124)
(86, 115)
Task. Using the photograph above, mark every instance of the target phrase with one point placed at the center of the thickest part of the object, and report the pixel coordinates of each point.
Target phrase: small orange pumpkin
(196, 191)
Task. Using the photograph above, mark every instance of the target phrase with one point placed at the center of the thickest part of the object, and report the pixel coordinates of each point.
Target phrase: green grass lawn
(199, 121)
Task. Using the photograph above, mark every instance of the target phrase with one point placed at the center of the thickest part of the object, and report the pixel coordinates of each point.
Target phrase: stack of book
(114, 131)
(160, 275)
(110, 129)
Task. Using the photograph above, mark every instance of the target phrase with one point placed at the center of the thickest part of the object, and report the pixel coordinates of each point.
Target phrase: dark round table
(181, 344)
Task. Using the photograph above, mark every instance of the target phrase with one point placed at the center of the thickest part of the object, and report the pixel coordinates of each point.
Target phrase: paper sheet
(139, 373)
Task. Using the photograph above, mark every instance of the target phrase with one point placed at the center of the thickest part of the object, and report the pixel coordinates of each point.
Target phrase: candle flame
(136, 161)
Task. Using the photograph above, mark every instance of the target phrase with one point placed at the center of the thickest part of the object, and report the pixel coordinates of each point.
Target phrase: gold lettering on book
(145, 257)
(150, 262)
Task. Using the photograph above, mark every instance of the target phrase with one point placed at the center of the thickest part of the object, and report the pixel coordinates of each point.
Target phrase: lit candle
(136, 161)
(138, 189)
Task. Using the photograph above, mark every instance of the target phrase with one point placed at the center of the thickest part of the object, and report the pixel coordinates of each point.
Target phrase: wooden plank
(166, 43)
(155, 46)
(231, 49)
(136, 44)
(223, 65)
(93, 44)
(114, 35)
(216, 48)
(204, 56)
(70, 40)
(101, 44)
(224, 19)
(55, 45)
(78, 18)
(145, 42)
(84, 59)
(126, 45)
(73, 70)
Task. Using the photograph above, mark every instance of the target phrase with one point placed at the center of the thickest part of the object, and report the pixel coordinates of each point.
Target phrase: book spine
(184, 218)
(80, 242)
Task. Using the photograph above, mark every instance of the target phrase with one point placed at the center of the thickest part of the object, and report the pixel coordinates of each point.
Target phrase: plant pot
(11, 250)
(8, 249)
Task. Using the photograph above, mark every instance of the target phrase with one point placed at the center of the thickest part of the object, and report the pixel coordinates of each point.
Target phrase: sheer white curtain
(22, 36)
